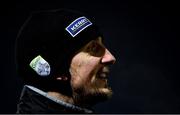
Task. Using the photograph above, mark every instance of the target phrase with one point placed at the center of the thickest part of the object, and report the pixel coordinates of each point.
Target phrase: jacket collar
(58, 102)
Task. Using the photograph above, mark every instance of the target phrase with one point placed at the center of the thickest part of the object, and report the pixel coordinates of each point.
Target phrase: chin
(99, 95)
(104, 92)
(92, 96)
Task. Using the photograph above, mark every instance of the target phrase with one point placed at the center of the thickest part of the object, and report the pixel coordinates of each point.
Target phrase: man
(62, 59)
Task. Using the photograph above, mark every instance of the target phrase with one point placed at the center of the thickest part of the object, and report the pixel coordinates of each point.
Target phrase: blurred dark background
(143, 36)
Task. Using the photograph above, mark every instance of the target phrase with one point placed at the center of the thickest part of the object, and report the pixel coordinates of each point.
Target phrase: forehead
(94, 47)
(98, 40)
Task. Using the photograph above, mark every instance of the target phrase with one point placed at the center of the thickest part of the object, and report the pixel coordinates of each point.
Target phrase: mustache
(104, 69)
(103, 72)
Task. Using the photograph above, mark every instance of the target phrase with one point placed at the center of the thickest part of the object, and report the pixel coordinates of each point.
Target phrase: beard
(89, 96)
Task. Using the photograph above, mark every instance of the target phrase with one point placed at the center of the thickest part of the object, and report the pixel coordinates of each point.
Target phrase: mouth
(103, 73)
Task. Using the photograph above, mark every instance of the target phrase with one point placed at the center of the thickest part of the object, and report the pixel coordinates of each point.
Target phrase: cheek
(83, 69)
(88, 67)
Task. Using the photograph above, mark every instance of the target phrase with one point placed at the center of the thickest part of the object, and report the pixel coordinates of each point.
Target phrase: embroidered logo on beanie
(41, 66)
(78, 25)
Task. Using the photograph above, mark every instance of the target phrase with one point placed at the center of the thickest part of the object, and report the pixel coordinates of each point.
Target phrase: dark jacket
(33, 100)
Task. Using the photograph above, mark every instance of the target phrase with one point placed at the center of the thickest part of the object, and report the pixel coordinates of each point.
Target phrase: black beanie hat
(54, 37)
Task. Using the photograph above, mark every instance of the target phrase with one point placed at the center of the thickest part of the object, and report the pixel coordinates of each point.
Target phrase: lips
(103, 73)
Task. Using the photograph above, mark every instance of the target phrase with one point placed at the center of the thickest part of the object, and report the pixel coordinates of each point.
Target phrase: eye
(95, 49)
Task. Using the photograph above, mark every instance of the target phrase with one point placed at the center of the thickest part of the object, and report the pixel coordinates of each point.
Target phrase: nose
(108, 58)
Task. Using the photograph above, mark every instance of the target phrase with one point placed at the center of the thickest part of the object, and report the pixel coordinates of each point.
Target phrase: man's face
(89, 69)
